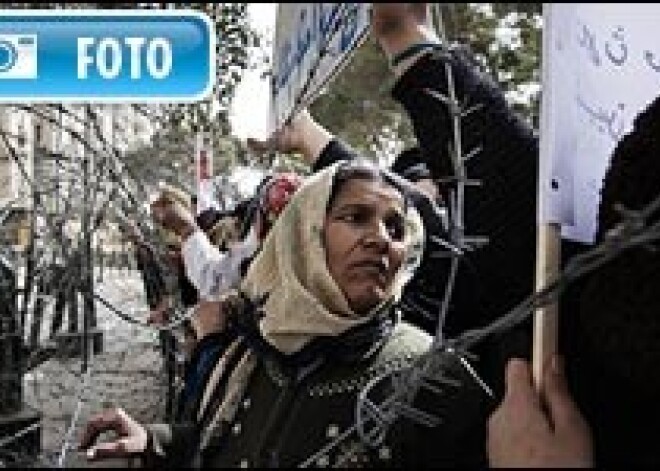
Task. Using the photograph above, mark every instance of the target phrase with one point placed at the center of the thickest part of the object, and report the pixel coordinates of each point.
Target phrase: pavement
(128, 373)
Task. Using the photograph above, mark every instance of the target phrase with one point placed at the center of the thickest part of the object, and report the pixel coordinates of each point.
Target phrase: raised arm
(397, 27)
(211, 272)
(302, 135)
(503, 206)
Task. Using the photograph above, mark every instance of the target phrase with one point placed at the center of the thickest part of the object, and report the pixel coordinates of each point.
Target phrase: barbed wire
(70, 430)
(86, 390)
(116, 196)
(119, 190)
(39, 258)
(429, 371)
(426, 372)
(372, 421)
(5, 441)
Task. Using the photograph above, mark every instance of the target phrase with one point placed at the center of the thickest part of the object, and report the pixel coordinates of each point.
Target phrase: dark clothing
(197, 370)
(154, 287)
(610, 328)
(492, 279)
(152, 276)
(495, 278)
(292, 409)
(65, 294)
(155, 290)
(498, 276)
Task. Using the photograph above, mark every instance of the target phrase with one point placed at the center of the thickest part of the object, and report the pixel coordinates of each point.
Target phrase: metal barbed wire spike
(373, 420)
(115, 193)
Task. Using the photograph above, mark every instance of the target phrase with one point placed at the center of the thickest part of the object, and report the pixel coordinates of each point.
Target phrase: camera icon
(18, 56)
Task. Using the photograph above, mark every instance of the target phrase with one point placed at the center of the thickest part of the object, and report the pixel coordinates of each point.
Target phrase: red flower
(280, 190)
(277, 195)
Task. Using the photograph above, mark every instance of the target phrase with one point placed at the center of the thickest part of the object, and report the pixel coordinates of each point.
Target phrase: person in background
(216, 272)
(211, 271)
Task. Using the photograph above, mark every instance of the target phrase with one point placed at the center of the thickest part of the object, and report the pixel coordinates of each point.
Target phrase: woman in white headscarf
(315, 322)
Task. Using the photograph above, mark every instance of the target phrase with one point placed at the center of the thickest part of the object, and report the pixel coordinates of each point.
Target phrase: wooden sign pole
(546, 319)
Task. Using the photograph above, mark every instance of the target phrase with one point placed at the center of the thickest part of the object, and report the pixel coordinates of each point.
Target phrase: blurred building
(41, 162)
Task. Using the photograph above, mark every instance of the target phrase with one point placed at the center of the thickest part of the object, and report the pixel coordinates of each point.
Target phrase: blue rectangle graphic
(93, 56)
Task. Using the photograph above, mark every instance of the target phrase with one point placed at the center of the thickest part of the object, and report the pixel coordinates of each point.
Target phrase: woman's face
(364, 240)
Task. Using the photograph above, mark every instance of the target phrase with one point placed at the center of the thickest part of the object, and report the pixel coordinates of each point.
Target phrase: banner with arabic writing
(312, 43)
(601, 67)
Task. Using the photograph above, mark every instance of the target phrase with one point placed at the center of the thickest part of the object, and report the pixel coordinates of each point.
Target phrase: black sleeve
(152, 276)
(335, 151)
(494, 126)
(503, 207)
(189, 294)
(170, 446)
(208, 218)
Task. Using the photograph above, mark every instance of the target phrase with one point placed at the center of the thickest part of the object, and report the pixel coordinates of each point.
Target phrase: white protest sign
(312, 42)
(601, 66)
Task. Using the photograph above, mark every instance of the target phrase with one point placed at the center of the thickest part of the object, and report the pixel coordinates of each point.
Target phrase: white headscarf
(303, 300)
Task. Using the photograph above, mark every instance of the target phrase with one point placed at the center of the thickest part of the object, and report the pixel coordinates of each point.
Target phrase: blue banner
(105, 56)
